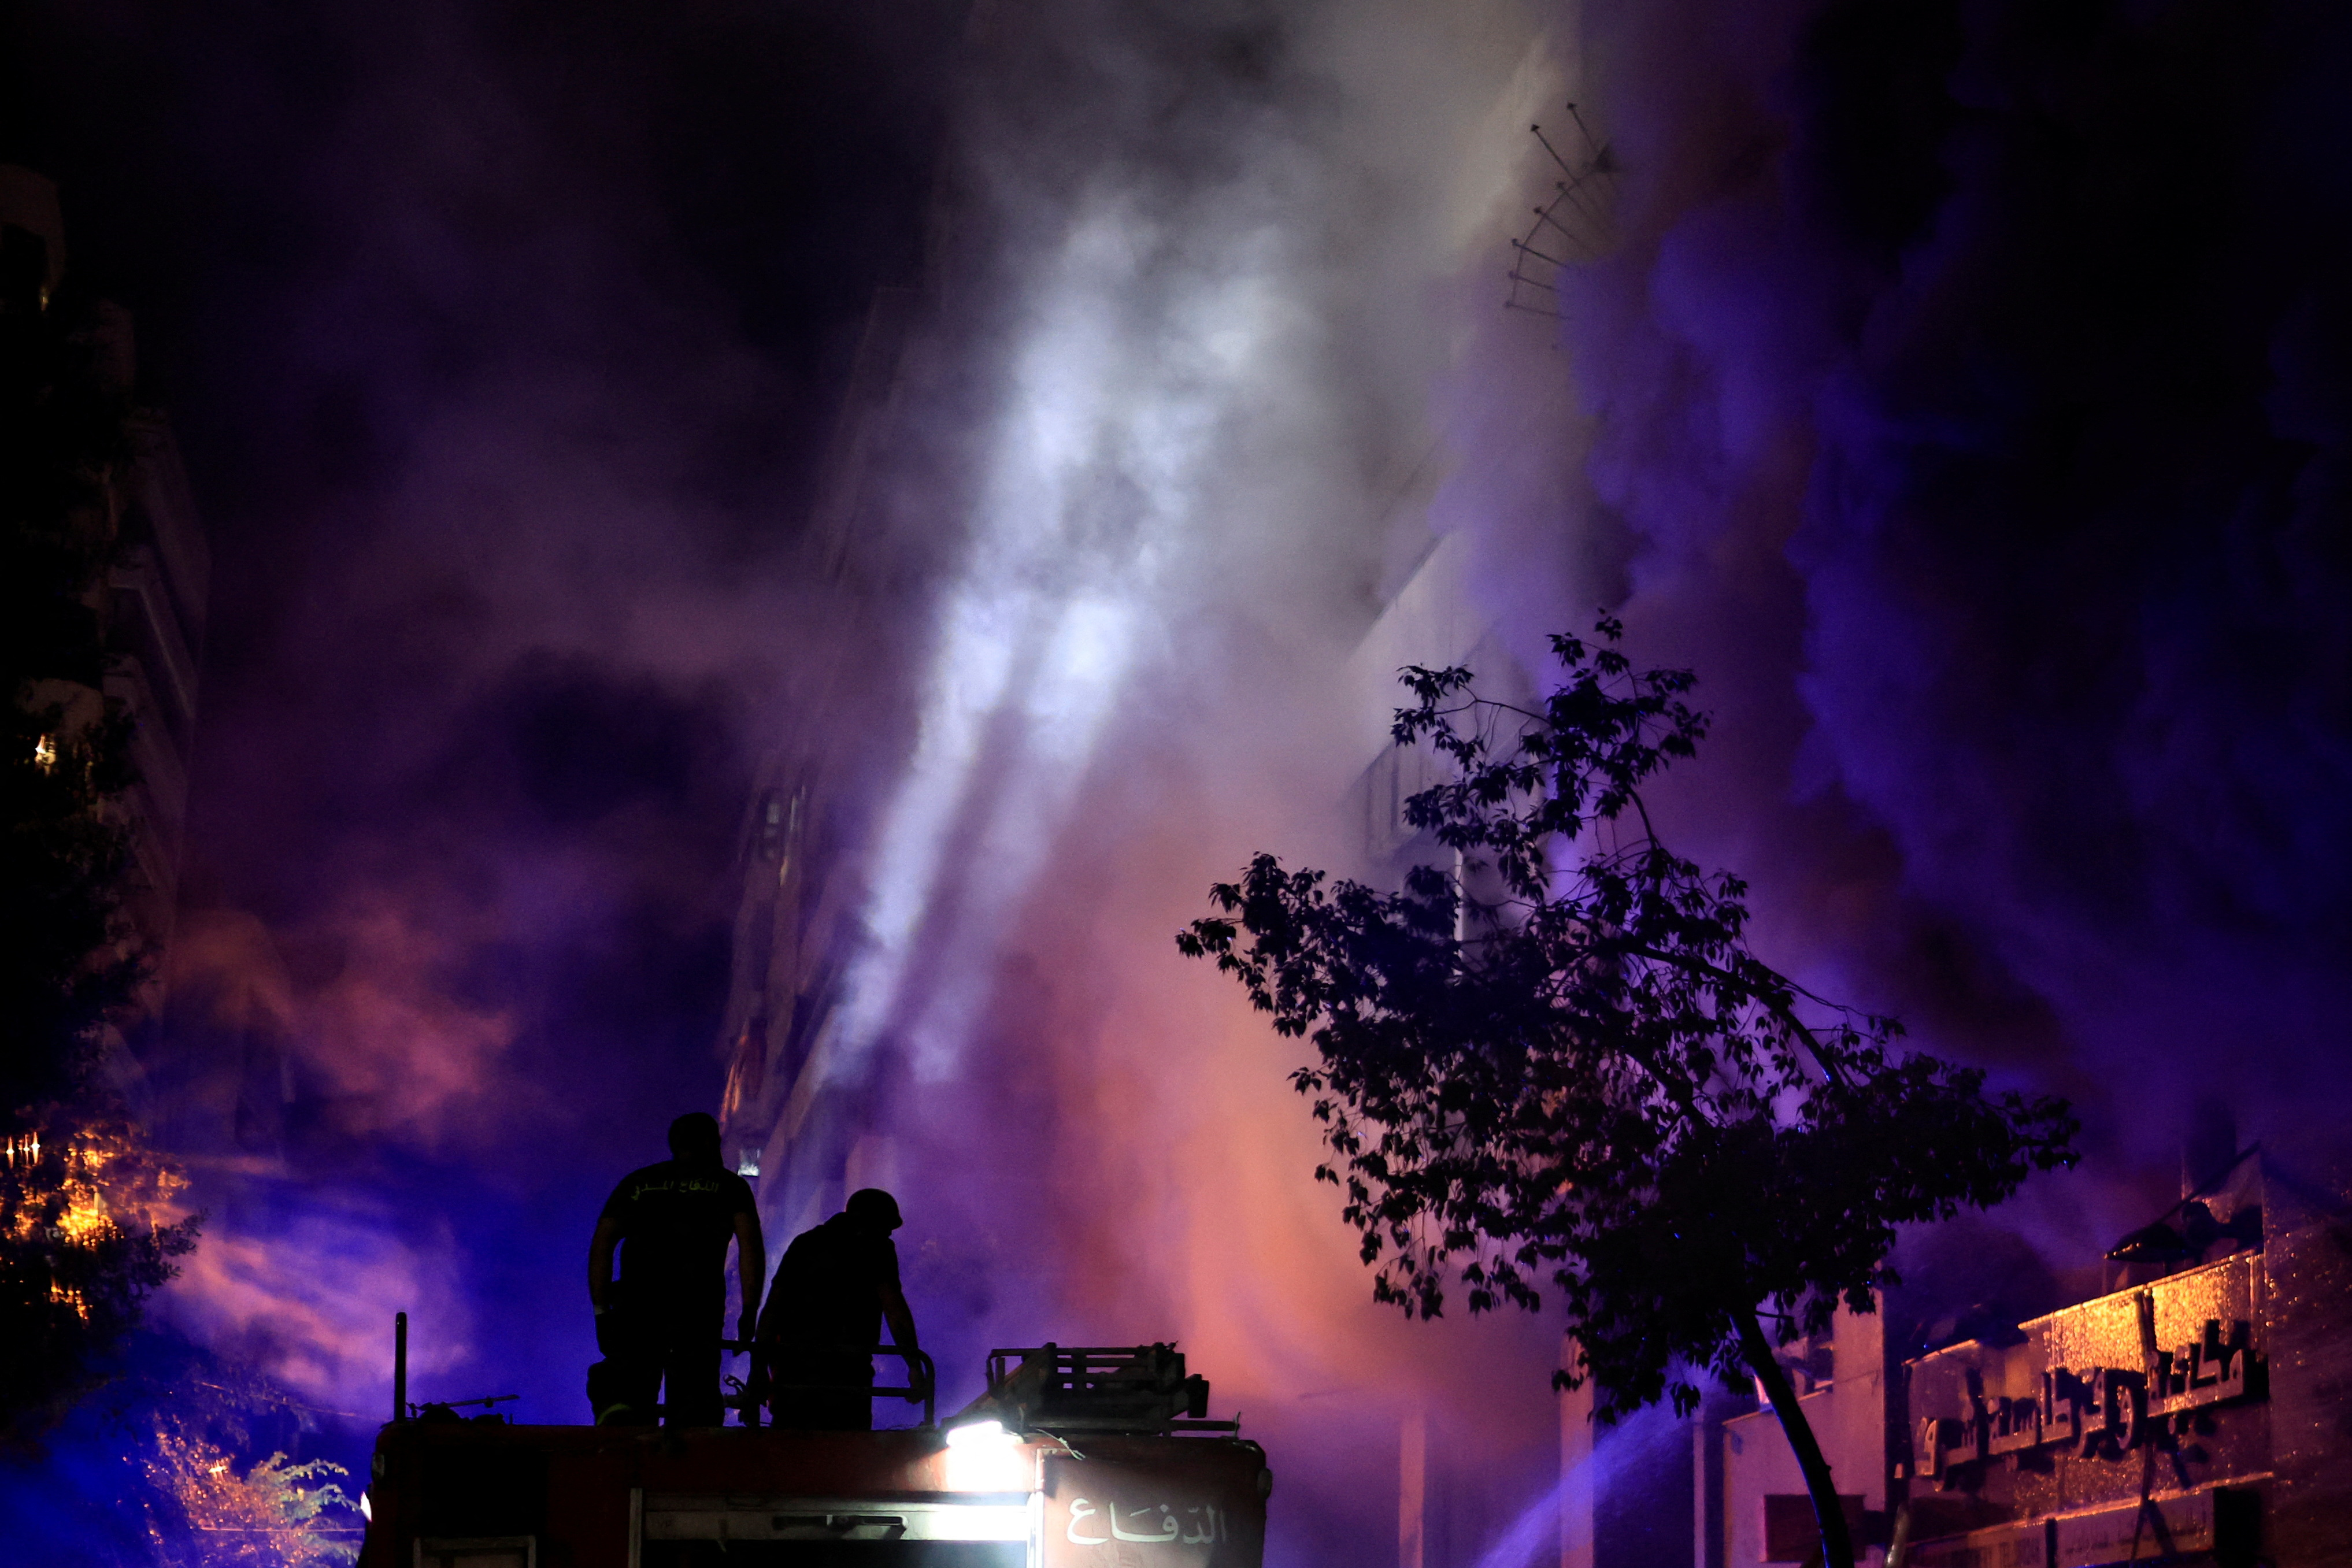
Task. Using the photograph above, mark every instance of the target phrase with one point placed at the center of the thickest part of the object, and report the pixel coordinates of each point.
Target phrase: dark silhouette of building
(149, 604)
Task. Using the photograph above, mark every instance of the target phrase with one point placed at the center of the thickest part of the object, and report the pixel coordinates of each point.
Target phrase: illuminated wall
(2194, 1410)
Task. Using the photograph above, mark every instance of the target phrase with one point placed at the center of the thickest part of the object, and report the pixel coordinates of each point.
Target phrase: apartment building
(147, 608)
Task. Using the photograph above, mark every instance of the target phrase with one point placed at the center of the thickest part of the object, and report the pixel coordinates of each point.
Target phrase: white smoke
(1241, 254)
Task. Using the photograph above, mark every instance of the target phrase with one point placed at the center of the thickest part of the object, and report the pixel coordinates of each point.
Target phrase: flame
(78, 1213)
(93, 1185)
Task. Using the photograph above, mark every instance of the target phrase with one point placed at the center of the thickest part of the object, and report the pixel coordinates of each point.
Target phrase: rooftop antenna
(1573, 227)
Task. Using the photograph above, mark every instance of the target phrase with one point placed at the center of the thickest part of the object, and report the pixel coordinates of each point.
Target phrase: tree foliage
(182, 1458)
(68, 958)
(89, 1226)
(1556, 1067)
(275, 1514)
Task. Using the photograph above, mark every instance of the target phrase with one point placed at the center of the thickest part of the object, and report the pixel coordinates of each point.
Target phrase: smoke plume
(1961, 389)
(1966, 382)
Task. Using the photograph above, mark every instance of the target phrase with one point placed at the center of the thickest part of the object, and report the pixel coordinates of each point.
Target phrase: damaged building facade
(798, 1120)
(2191, 1411)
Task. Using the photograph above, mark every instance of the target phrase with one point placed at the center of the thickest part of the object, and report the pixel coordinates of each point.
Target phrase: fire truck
(1092, 1456)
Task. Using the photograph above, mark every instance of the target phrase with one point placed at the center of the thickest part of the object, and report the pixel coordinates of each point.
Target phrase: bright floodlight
(976, 1435)
(983, 1456)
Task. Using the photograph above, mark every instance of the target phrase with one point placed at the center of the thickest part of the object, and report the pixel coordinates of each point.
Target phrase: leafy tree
(182, 1458)
(88, 1227)
(1556, 1065)
(276, 1514)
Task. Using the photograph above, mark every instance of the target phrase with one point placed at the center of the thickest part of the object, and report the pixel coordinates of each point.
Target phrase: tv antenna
(1570, 228)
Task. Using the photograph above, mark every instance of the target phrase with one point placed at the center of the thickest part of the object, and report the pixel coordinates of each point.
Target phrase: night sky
(1963, 390)
(502, 344)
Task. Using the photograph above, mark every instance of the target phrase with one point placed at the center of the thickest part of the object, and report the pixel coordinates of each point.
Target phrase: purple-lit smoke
(1963, 394)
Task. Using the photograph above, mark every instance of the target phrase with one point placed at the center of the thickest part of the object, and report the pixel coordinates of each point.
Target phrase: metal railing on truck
(751, 1394)
(1130, 1388)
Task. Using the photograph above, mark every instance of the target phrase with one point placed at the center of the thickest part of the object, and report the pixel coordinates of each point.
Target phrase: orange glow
(81, 1191)
(78, 1211)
